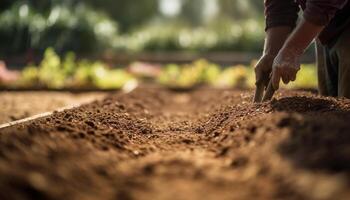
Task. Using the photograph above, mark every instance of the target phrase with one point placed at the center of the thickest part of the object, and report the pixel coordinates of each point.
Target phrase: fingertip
(285, 79)
(293, 77)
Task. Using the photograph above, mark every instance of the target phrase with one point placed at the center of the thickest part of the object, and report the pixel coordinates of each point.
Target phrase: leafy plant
(55, 73)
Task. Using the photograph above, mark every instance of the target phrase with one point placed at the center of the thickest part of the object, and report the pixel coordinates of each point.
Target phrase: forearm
(301, 37)
(275, 39)
(287, 62)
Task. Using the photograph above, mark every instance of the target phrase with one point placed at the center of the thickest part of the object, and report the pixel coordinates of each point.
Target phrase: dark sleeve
(281, 13)
(320, 12)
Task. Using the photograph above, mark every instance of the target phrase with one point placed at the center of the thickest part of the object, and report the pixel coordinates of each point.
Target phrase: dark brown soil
(19, 105)
(203, 144)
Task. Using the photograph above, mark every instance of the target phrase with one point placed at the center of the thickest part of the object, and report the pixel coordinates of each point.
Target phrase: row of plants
(54, 72)
(202, 72)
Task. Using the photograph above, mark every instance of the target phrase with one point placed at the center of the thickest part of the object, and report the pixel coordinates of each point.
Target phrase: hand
(285, 66)
(263, 70)
(262, 73)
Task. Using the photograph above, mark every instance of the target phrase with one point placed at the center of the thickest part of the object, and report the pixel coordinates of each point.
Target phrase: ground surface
(205, 144)
(19, 105)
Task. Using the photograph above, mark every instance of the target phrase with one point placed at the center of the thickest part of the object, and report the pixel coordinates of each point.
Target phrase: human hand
(285, 66)
(262, 74)
(263, 70)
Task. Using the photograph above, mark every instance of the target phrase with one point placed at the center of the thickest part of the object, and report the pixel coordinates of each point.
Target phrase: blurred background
(89, 27)
(62, 36)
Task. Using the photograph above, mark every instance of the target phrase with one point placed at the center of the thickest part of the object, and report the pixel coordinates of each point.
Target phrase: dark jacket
(333, 14)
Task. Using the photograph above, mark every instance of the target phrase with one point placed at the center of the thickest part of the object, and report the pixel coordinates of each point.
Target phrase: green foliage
(91, 26)
(110, 79)
(65, 27)
(55, 73)
(221, 36)
(235, 76)
(239, 76)
(197, 73)
(184, 76)
(242, 9)
(50, 72)
(128, 13)
(30, 76)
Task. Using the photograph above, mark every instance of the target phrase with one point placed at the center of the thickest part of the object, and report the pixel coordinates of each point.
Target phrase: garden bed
(19, 104)
(154, 143)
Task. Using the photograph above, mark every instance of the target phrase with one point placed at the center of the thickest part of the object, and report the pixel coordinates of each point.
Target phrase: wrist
(269, 56)
(291, 51)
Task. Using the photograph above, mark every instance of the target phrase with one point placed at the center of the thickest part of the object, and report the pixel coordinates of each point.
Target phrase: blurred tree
(242, 9)
(192, 11)
(90, 25)
(128, 13)
(63, 24)
(5, 4)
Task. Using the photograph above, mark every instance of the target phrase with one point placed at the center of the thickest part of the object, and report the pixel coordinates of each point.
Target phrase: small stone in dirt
(37, 180)
(216, 133)
(13, 118)
(67, 115)
(239, 162)
(223, 151)
(148, 169)
(199, 129)
(146, 131)
(121, 106)
(104, 148)
(252, 129)
(61, 128)
(187, 141)
(90, 123)
(285, 121)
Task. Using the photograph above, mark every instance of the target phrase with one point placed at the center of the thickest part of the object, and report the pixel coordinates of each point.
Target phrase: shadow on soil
(320, 133)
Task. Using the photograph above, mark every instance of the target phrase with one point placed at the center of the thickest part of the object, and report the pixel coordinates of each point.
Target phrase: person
(327, 21)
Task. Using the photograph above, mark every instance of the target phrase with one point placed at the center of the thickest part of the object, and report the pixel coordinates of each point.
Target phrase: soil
(202, 144)
(19, 105)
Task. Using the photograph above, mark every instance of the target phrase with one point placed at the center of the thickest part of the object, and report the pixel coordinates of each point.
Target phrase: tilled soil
(19, 105)
(203, 144)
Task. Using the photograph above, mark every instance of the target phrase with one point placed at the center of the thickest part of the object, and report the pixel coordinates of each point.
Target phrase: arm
(275, 38)
(280, 13)
(286, 64)
(316, 16)
(280, 19)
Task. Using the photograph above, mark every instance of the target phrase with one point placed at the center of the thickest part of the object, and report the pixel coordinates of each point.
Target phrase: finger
(258, 76)
(290, 75)
(269, 92)
(259, 93)
(293, 76)
(285, 77)
(267, 78)
(276, 76)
